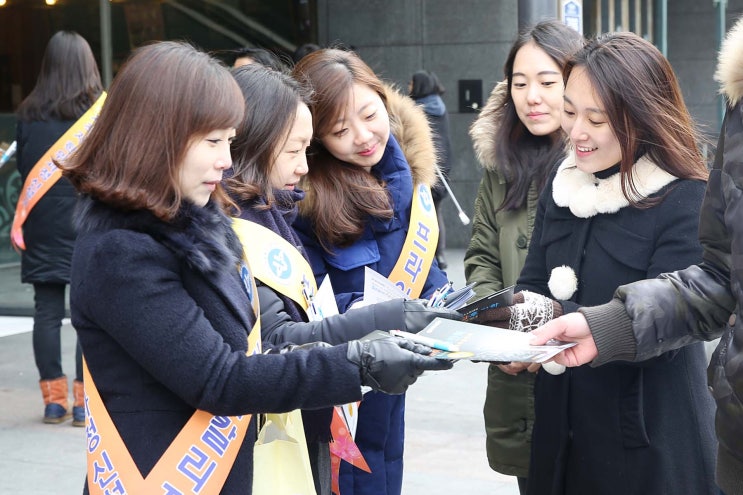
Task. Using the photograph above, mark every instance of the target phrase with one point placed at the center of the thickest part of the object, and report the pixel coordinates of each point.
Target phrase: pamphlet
(503, 297)
(484, 343)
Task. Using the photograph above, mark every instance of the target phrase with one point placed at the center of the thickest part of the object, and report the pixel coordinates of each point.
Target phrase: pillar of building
(533, 11)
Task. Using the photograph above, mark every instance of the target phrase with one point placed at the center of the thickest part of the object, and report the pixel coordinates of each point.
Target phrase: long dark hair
(165, 95)
(522, 157)
(68, 82)
(644, 106)
(271, 100)
(425, 83)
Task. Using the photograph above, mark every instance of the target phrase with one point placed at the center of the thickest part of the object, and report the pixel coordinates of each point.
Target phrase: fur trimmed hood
(409, 125)
(729, 71)
(202, 237)
(482, 130)
(586, 195)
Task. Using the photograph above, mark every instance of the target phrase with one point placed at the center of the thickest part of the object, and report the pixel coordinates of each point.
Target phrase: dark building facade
(464, 42)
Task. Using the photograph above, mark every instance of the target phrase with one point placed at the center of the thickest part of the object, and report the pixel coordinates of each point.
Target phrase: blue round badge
(425, 196)
(247, 282)
(279, 263)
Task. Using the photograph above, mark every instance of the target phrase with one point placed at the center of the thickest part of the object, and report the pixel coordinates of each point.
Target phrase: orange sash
(197, 461)
(45, 173)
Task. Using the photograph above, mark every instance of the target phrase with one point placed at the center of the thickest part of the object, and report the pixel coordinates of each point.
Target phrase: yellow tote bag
(281, 464)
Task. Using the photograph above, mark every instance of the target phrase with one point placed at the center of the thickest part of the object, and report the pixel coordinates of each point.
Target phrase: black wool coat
(48, 231)
(623, 428)
(163, 319)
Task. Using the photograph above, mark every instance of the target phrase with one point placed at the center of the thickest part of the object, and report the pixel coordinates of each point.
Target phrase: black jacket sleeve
(278, 327)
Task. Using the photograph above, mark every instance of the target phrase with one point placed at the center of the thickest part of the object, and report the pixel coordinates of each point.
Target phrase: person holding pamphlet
(269, 159)
(649, 318)
(622, 206)
(52, 120)
(368, 204)
(517, 139)
(164, 301)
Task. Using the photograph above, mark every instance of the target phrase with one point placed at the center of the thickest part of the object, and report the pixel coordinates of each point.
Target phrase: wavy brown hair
(166, 95)
(644, 105)
(340, 196)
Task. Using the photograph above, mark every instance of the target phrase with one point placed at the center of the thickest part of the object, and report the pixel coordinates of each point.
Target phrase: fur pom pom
(563, 283)
(553, 368)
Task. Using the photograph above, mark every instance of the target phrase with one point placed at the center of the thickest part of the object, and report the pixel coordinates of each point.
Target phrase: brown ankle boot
(78, 407)
(56, 402)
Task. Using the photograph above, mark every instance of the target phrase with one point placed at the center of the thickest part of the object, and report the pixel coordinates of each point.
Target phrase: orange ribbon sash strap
(45, 173)
(197, 461)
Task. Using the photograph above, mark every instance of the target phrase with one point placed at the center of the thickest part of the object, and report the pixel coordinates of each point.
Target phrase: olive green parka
(494, 258)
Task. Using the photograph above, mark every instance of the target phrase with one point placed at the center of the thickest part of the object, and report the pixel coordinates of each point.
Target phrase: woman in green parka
(518, 140)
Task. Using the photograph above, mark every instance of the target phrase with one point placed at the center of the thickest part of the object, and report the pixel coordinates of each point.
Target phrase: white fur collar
(587, 195)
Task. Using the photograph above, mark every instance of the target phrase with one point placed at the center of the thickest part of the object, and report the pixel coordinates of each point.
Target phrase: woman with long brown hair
(368, 204)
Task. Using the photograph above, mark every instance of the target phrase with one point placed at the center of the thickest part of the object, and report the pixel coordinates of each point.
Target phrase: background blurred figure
(255, 55)
(303, 50)
(426, 90)
(517, 140)
(68, 85)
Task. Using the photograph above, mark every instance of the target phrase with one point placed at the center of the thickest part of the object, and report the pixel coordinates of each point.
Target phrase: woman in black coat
(164, 303)
(623, 206)
(67, 86)
(426, 89)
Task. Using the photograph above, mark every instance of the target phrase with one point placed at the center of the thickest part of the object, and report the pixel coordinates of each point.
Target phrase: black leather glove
(392, 365)
(418, 314)
(303, 347)
(528, 312)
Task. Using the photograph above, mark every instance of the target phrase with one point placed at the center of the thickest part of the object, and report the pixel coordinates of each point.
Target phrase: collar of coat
(202, 237)
(483, 128)
(729, 71)
(587, 195)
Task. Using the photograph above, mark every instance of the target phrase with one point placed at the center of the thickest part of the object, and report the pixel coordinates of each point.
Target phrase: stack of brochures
(499, 298)
(448, 297)
(464, 340)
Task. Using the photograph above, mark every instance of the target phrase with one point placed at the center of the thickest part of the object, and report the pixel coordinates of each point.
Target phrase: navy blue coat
(163, 319)
(48, 231)
(381, 424)
(381, 242)
(622, 428)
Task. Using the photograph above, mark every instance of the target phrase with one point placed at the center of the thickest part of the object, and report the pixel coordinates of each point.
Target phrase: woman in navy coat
(372, 151)
(160, 297)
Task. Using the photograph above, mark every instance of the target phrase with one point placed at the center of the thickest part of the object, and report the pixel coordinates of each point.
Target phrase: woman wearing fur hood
(371, 157)
(518, 140)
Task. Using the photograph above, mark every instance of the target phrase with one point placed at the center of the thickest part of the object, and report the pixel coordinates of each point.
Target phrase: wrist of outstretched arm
(611, 328)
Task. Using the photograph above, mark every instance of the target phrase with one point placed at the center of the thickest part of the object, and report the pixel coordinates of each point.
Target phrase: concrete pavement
(444, 448)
